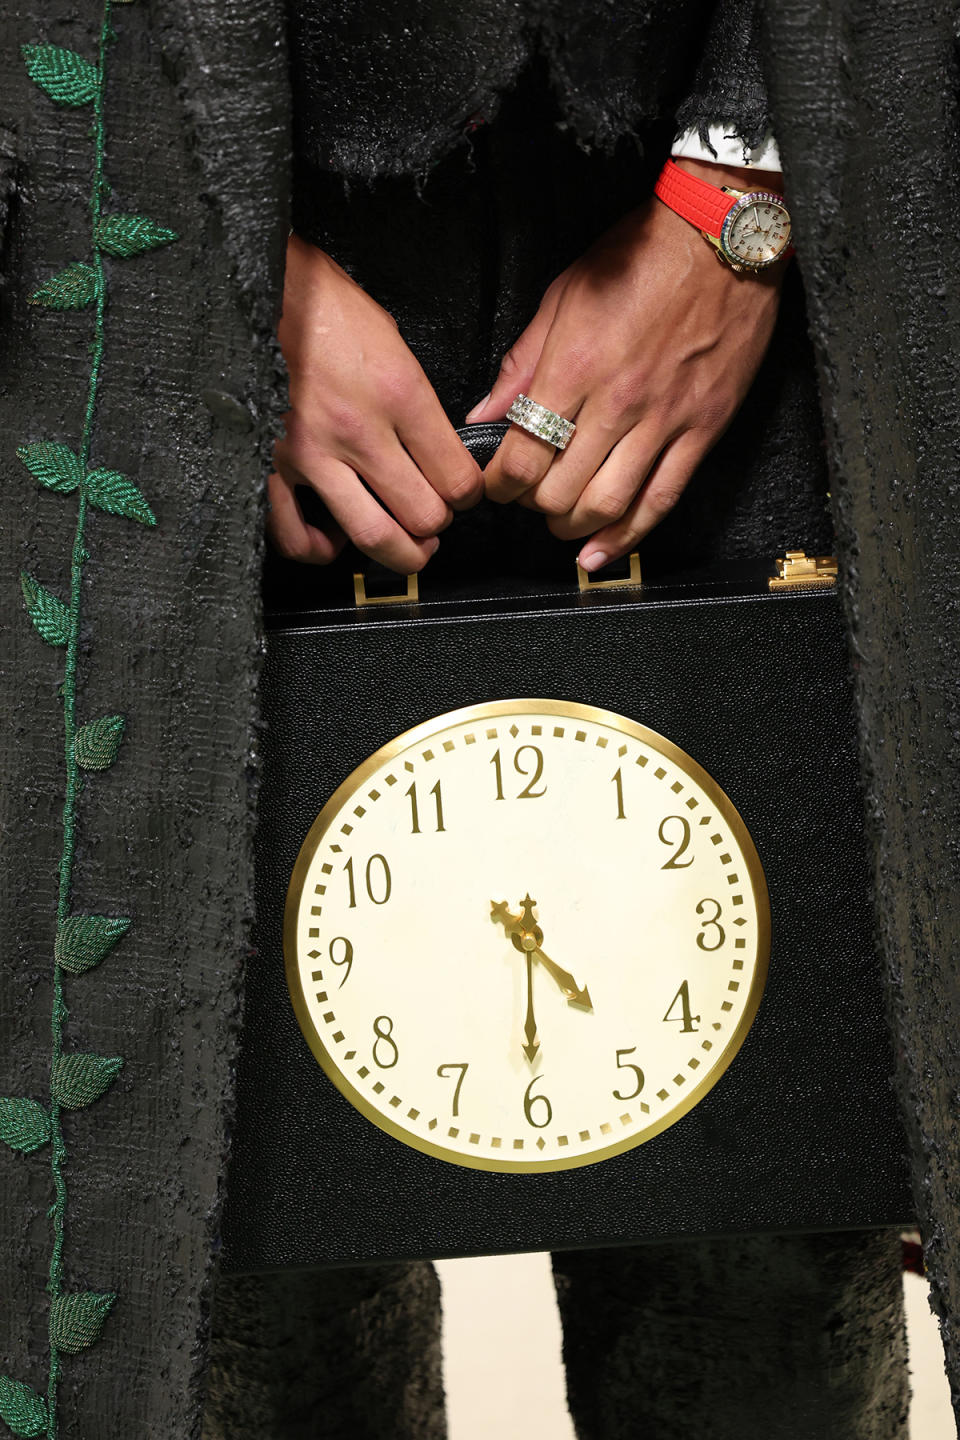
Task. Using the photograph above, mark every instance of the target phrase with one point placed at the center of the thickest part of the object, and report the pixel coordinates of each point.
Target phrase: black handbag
(802, 1132)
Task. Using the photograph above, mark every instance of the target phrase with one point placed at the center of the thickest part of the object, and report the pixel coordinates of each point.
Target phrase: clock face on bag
(526, 935)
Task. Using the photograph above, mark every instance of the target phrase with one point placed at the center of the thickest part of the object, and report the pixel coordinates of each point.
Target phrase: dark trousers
(751, 1338)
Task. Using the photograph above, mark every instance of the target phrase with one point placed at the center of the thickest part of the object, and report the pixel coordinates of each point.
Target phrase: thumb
(519, 364)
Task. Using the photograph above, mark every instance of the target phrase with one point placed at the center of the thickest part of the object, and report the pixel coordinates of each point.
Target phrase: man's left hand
(650, 344)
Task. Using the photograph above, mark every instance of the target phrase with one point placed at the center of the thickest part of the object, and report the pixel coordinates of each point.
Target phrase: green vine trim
(77, 1079)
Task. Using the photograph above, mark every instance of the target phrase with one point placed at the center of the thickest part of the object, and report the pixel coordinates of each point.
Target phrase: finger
(289, 531)
(390, 471)
(523, 459)
(609, 492)
(437, 449)
(573, 470)
(520, 362)
(665, 484)
(371, 528)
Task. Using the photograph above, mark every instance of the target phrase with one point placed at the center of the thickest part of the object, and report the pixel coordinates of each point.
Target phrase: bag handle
(795, 571)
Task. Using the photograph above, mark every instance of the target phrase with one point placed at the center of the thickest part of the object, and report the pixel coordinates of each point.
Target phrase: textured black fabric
(793, 1337)
(188, 403)
(867, 106)
(798, 1338)
(342, 1355)
(389, 89)
(729, 87)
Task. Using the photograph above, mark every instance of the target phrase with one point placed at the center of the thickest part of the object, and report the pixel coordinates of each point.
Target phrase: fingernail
(477, 408)
(434, 547)
(593, 559)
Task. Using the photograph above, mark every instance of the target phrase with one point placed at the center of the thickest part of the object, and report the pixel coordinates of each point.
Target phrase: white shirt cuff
(730, 149)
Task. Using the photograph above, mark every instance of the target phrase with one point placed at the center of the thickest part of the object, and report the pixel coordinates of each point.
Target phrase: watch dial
(526, 935)
(757, 230)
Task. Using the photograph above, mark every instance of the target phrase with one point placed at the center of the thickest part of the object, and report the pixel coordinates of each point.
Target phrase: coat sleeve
(729, 87)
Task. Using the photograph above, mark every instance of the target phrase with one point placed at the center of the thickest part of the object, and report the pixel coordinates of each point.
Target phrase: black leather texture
(801, 1132)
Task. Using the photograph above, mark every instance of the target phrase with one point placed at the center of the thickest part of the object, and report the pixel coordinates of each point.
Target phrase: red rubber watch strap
(702, 204)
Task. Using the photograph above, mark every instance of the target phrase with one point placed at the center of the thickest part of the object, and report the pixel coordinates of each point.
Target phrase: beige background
(502, 1354)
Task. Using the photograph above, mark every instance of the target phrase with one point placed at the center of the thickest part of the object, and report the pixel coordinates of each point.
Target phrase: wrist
(737, 177)
(748, 227)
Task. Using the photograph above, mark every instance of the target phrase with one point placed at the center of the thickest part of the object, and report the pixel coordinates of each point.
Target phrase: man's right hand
(361, 406)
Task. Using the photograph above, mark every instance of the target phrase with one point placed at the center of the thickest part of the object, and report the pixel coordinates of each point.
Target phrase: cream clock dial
(526, 935)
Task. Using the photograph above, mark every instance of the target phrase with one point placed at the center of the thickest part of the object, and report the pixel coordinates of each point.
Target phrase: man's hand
(650, 344)
(362, 407)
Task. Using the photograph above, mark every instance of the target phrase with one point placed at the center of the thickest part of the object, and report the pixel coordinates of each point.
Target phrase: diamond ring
(538, 420)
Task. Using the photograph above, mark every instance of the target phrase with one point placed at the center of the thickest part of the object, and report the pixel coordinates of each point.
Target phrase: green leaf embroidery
(126, 235)
(50, 616)
(55, 466)
(84, 940)
(97, 744)
(63, 74)
(80, 1079)
(24, 1124)
(76, 1320)
(109, 490)
(22, 1408)
(70, 289)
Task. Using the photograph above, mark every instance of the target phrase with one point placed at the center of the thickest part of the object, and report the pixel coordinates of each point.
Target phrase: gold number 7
(442, 1071)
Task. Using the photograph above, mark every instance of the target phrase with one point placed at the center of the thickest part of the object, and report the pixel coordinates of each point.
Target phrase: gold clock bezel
(416, 736)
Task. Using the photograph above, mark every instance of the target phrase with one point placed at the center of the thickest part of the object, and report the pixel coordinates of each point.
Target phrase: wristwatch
(749, 228)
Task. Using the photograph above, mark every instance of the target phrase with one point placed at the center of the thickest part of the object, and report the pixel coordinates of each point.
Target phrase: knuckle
(626, 395)
(715, 415)
(430, 520)
(293, 547)
(371, 534)
(552, 502)
(662, 498)
(465, 484)
(560, 527)
(396, 388)
(579, 364)
(510, 363)
(519, 467)
(408, 564)
(564, 527)
(606, 506)
(716, 405)
(347, 421)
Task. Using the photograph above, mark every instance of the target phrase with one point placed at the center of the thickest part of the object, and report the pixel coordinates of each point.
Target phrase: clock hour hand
(527, 936)
(566, 981)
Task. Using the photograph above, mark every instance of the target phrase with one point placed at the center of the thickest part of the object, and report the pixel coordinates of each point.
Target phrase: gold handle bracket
(631, 581)
(410, 596)
(799, 571)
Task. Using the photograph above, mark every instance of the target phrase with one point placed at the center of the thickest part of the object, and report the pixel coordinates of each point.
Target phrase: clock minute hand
(526, 943)
(530, 1024)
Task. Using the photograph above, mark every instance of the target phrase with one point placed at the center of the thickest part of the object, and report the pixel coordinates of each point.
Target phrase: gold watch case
(732, 245)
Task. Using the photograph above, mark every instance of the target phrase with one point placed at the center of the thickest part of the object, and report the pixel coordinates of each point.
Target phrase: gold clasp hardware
(410, 596)
(800, 571)
(633, 579)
